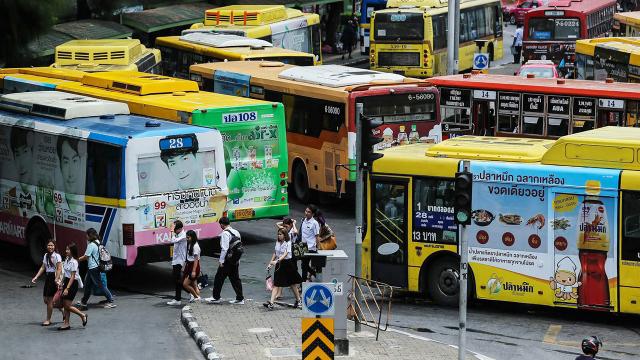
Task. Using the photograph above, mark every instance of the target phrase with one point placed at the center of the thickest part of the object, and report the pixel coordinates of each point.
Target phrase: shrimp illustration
(537, 219)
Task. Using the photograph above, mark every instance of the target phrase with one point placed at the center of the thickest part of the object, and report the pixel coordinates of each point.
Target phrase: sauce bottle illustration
(593, 245)
(402, 136)
(414, 137)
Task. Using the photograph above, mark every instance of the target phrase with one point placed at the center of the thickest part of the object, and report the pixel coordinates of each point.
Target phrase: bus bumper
(409, 72)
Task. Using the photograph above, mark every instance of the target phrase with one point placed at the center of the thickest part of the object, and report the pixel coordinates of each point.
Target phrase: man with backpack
(93, 255)
(231, 249)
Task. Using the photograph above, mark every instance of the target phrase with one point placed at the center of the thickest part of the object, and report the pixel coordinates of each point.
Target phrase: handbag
(57, 299)
(329, 243)
(203, 280)
(299, 249)
(268, 282)
(513, 49)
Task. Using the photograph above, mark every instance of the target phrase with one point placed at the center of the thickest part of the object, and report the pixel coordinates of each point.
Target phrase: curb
(200, 337)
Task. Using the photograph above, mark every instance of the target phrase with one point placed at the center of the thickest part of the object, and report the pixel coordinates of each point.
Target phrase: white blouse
(70, 265)
(281, 248)
(196, 253)
(55, 259)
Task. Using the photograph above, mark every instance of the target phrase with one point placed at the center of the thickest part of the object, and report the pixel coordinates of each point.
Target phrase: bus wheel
(443, 281)
(301, 183)
(37, 236)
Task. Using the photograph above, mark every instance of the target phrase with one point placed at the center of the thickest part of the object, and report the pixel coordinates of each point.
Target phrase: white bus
(71, 162)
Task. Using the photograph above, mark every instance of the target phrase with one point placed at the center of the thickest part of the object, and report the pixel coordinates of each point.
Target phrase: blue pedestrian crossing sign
(480, 61)
(317, 298)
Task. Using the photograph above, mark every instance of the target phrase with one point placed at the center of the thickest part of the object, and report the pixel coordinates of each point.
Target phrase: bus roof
(61, 105)
(572, 6)
(535, 85)
(46, 72)
(491, 148)
(610, 147)
(167, 17)
(105, 51)
(337, 75)
(611, 45)
(267, 74)
(294, 19)
(139, 83)
(416, 3)
(631, 17)
(240, 52)
(251, 15)
(219, 40)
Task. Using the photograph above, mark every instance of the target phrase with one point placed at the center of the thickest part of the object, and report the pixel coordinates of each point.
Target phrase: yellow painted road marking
(552, 333)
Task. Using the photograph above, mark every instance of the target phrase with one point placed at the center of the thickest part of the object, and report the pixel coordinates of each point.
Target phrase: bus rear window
(554, 29)
(401, 107)
(398, 26)
(179, 171)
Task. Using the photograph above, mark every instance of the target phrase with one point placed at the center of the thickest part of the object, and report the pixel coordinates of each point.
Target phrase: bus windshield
(399, 26)
(554, 29)
(395, 109)
(178, 171)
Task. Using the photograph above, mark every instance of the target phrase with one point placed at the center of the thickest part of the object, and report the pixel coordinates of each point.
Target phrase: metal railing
(368, 299)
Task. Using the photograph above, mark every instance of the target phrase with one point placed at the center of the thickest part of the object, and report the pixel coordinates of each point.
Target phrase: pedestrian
(326, 239)
(347, 38)
(179, 241)
(290, 225)
(590, 347)
(94, 277)
(229, 266)
(192, 266)
(70, 284)
(310, 234)
(286, 271)
(52, 268)
(517, 44)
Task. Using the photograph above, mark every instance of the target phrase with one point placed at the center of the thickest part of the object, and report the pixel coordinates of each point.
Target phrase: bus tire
(37, 236)
(443, 281)
(301, 182)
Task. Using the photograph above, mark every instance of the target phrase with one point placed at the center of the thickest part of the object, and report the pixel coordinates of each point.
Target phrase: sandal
(85, 318)
(46, 323)
(64, 328)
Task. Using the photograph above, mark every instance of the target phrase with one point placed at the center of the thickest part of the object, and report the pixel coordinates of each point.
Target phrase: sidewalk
(252, 332)
(336, 59)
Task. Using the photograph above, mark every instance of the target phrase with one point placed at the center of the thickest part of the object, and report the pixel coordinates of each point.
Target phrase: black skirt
(286, 274)
(50, 286)
(73, 290)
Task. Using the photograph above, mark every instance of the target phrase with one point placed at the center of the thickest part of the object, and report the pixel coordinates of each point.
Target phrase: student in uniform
(179, 241)
(52, 268)
(310, 234)
(225, 268)
(286, 271)
(70, 285)
(94, 277)
(192, 266)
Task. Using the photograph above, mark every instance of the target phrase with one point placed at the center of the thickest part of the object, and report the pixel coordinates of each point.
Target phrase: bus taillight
(128, 234)
(283, 183)
(283, 175)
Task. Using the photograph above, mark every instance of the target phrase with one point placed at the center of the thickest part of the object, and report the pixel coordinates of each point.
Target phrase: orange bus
(503, 105)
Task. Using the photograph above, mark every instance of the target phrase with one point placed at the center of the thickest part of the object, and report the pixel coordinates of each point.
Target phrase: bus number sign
(240, 117)
(420, 97)
(176, 143)
(611, 103)
(484, 94)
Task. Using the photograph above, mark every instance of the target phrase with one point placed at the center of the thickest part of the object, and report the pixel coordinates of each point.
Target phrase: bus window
(456, 118)
(104, 163)
(557, 127)
(508, 123)
(533, 125)
(582, 125)
(433, 211)
(389, 236)
(632, 113)
(609, 118)
(630, 247)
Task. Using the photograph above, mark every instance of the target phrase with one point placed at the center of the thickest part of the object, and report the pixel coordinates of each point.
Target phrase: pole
(456, 37)
(451, 39)
(464, 254)
(359, 197)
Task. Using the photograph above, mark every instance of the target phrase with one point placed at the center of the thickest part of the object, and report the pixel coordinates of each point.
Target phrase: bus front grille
(399, 59)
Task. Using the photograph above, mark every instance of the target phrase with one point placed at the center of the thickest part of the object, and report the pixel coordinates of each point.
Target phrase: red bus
(550, 32)
(504, 105)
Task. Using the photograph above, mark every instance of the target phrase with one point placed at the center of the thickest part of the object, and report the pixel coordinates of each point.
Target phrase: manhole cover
(284, 352)
(259, 330)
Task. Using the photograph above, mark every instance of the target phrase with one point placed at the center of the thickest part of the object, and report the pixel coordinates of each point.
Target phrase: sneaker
(237, 302)
(268, 305)
(110, 305)
(211, 300)
(174, 302)
(194, 299)
(80, 304)
(191, 297)
(297, 305)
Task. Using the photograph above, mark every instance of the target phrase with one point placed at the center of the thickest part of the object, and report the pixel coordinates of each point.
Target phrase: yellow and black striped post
(317, 338)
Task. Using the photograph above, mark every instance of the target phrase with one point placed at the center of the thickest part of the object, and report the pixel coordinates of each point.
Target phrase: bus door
(389, 258)
(610, 112)
(630, 252)
(484, 113)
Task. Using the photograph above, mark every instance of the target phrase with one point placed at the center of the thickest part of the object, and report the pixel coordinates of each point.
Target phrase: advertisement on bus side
(544, 235)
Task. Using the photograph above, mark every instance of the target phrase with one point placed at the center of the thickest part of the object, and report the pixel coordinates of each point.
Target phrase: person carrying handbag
(327, 238)
(286, 271)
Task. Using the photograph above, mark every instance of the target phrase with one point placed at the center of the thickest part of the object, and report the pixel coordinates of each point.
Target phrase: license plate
(243, 214)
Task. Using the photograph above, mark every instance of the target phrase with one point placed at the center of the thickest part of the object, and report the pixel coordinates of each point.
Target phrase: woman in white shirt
(70, 286)
(192, 266)
(52, 268)
(286, 270)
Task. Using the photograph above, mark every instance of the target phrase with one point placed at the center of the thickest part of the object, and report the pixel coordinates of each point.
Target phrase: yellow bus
(320, 115)
(283, 27)
(626, 23)
(410, 38)
(107, 55)
(610, 57)
(180, 52)
(253, 131)
(554, 222)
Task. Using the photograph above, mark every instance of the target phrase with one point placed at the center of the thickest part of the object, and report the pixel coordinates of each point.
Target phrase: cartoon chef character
(565, 279)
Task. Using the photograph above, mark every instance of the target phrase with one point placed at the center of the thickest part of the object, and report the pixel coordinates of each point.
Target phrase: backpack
(236, 249)
(104, 259)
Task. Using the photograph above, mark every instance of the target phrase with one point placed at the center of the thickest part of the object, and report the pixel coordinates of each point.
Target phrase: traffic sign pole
(464, 255)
